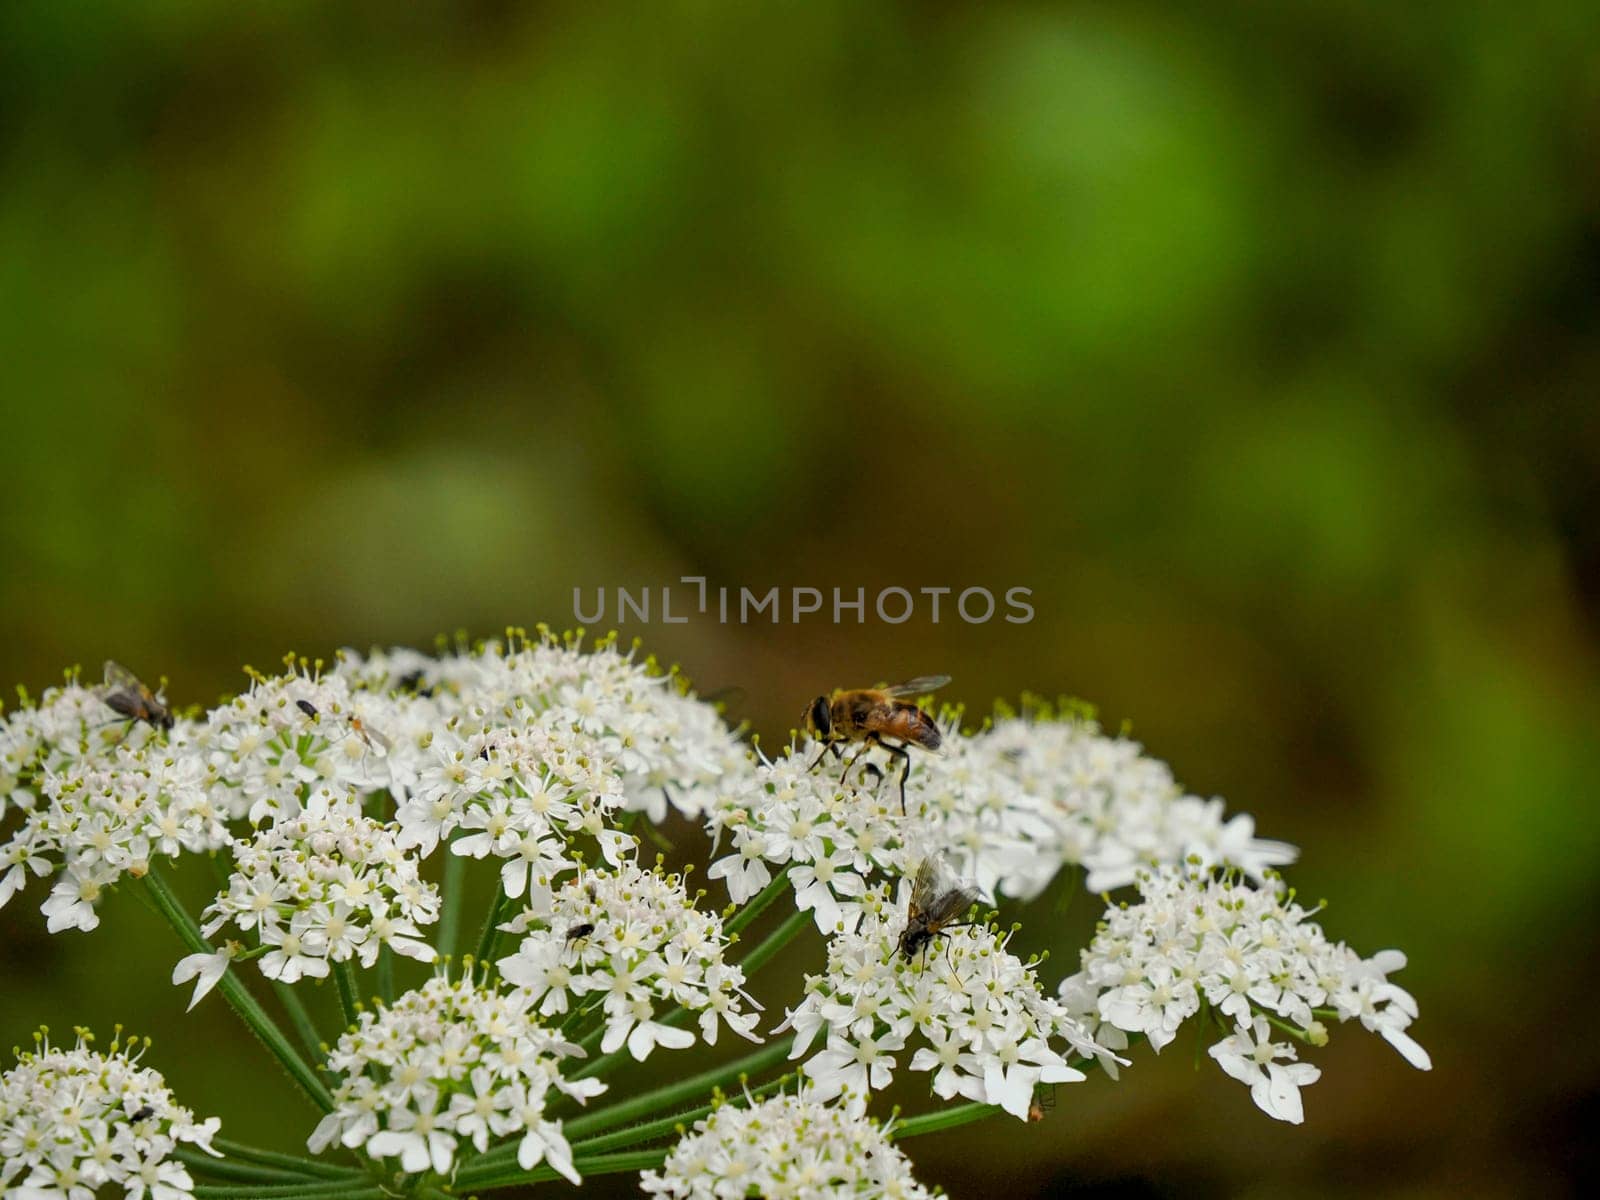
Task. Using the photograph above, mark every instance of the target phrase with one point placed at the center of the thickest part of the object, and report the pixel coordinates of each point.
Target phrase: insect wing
(950, 904)
(120, 679)
(919, 686)
(930, 880)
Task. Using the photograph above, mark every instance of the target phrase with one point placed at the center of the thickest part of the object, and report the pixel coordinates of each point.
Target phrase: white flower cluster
(1250, 954)
(327, 885)
(1112, 808)
(665, 745)
(74, 1122)
(273, 744)
(832, 835)
(449, 1064)
(986, 1032)
(1011, 805)
(786, 1146)
(631, 943)
(103, 813)
(518, 792)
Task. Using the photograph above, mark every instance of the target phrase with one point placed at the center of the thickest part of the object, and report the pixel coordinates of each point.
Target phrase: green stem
(647, 1105)
(949, 1118)
(386, 974)
(304, 1027)
(344, 974)
(455, 870)
(202, 1164)
(353, 1189)
(774, 941)
(672, 1094)
(758, 904)
(275, 1158)
(596, 1164)
(635, 1135)
(237, 995)
(484, 956)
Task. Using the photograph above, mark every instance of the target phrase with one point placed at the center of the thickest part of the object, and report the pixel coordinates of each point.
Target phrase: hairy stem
(672, 1094)
(304, 1027)
(949, 1118)
(775, 941)
(386, 975)
(758, 904)
(649, 1131)
(484, 956)
(344, 975)
(455, 871)
(650, 1104)
(275, 1158)
(595, 1164)
(237, 995)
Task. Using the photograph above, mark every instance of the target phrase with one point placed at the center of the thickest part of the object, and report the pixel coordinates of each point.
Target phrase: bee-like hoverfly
(937, 899)
(124, 693)
(869, 715)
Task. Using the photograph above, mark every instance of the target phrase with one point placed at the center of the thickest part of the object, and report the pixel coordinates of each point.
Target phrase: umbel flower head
(99, 817)
(971, 1009)
(1253, 956)
(518, 792)
(667, 746)
(274, 744)
(325, 886)
(78, 1123)
(784, 1146)
(446, 1065)
(1108, 805)
(631, 943)
(1012, 804)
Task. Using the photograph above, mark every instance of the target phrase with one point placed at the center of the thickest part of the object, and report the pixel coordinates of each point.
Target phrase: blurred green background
(1261, 341)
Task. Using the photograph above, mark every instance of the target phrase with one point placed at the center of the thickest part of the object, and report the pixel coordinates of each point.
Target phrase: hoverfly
(125, 694)
(869, 715)
(937, 899)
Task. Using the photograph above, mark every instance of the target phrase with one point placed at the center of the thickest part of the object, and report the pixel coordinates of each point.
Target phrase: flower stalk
(238, 996)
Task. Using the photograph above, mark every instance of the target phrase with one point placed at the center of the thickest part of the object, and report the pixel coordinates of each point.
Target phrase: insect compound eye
(820, 719)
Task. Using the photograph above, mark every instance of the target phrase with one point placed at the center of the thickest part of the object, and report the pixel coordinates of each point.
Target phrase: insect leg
(905, 768)
(865, 746)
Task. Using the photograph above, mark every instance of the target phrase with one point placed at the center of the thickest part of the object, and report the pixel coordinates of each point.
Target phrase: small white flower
(1252, 1057)
(67, 1125)
(1249, 953)
(988, 1032)
(786, 1146)
(208, 969)
(631, 943)
(447, 1064)
(325, 885)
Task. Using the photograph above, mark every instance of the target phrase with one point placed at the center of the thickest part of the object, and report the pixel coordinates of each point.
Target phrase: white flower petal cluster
(97, 818)
(518, 787)
(971, 1009)
(834, 836)
(1250, 954)
(327, 885)
(77, 1123)
(447, 1065)
(785, 1146)
(1114, 809)
(1010, 805)
(667, 746)
(277, 742)
(630, 943)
